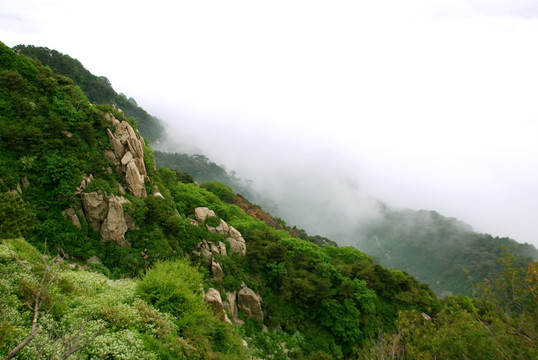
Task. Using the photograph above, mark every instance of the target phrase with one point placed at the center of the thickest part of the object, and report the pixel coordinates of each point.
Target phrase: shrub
(223, 191)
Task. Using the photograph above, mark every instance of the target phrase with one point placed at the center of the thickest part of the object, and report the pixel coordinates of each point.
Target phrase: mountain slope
(439, 251)
(97, 88)
(155, 266)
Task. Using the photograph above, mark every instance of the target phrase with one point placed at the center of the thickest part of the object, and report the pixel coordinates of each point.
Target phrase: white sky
(421, 103)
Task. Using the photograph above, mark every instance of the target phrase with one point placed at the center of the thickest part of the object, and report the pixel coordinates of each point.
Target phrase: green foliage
(174, 288)
(223, 191)
(97, 88)
(439, 250)
(16, 216)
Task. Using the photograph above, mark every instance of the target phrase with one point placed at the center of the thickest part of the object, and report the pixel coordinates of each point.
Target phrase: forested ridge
(104, 256)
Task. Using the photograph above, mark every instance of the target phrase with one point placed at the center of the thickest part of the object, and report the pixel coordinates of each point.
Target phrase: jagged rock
(230, 305)
(237, 242)
(134, 181)
(216, 269)
(114, 226)
(249, 303)
(213, 297)
(84, 183)
(222, 248)
(71, 215)
(116, 144)
(113, 161)
(105, 215)
(95, 209)
(204, 249)
(25, 182)
(128, 156)
(201, 213)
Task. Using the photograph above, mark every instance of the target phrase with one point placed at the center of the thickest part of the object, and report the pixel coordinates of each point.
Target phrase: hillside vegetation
(104, 256)
(442, 252)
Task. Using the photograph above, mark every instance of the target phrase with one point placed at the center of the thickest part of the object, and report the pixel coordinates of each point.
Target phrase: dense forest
(105, 256)
(97, 89)
(443, 252)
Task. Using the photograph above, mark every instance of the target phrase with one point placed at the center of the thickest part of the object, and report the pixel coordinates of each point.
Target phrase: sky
(328, 106)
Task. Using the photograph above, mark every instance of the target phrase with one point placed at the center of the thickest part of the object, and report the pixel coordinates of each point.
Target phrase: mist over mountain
(137, 261)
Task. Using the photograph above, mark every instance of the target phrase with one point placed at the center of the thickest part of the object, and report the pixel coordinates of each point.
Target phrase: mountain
(440, 251)
(102, 255)
(97, 89)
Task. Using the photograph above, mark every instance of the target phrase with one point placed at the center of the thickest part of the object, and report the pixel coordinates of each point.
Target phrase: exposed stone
(95, 209)
(71, 215)
(230, 305)
(84, 183)
(128, 156)
(25, 182)
(204, 250)
(213, 297)
(216, 269)
(134, 181)
(105, 215)
(114, 226)
(237, 242)
(222, 248)
(201, 213)
(117, 146)
(249, 303)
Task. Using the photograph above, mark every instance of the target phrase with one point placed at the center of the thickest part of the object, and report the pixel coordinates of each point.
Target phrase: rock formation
(236, 240)
(127, 156)
(216, 269)
(213, 298)
(246, 301)
(105, 215)
(249, 303)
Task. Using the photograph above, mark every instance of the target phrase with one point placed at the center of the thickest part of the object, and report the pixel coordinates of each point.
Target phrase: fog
(329, 106)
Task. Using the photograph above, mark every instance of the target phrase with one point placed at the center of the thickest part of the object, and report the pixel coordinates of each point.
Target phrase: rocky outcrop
(202, 213)
(236, 240)
(127, 156)
(213, 298)
(95, 208)
(246, 301)
(115, 226)
(216, 270)
(105, 215)
(249, 303)
(230, 305)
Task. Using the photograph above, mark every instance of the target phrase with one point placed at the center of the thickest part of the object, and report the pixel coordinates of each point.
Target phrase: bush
(224, 192)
